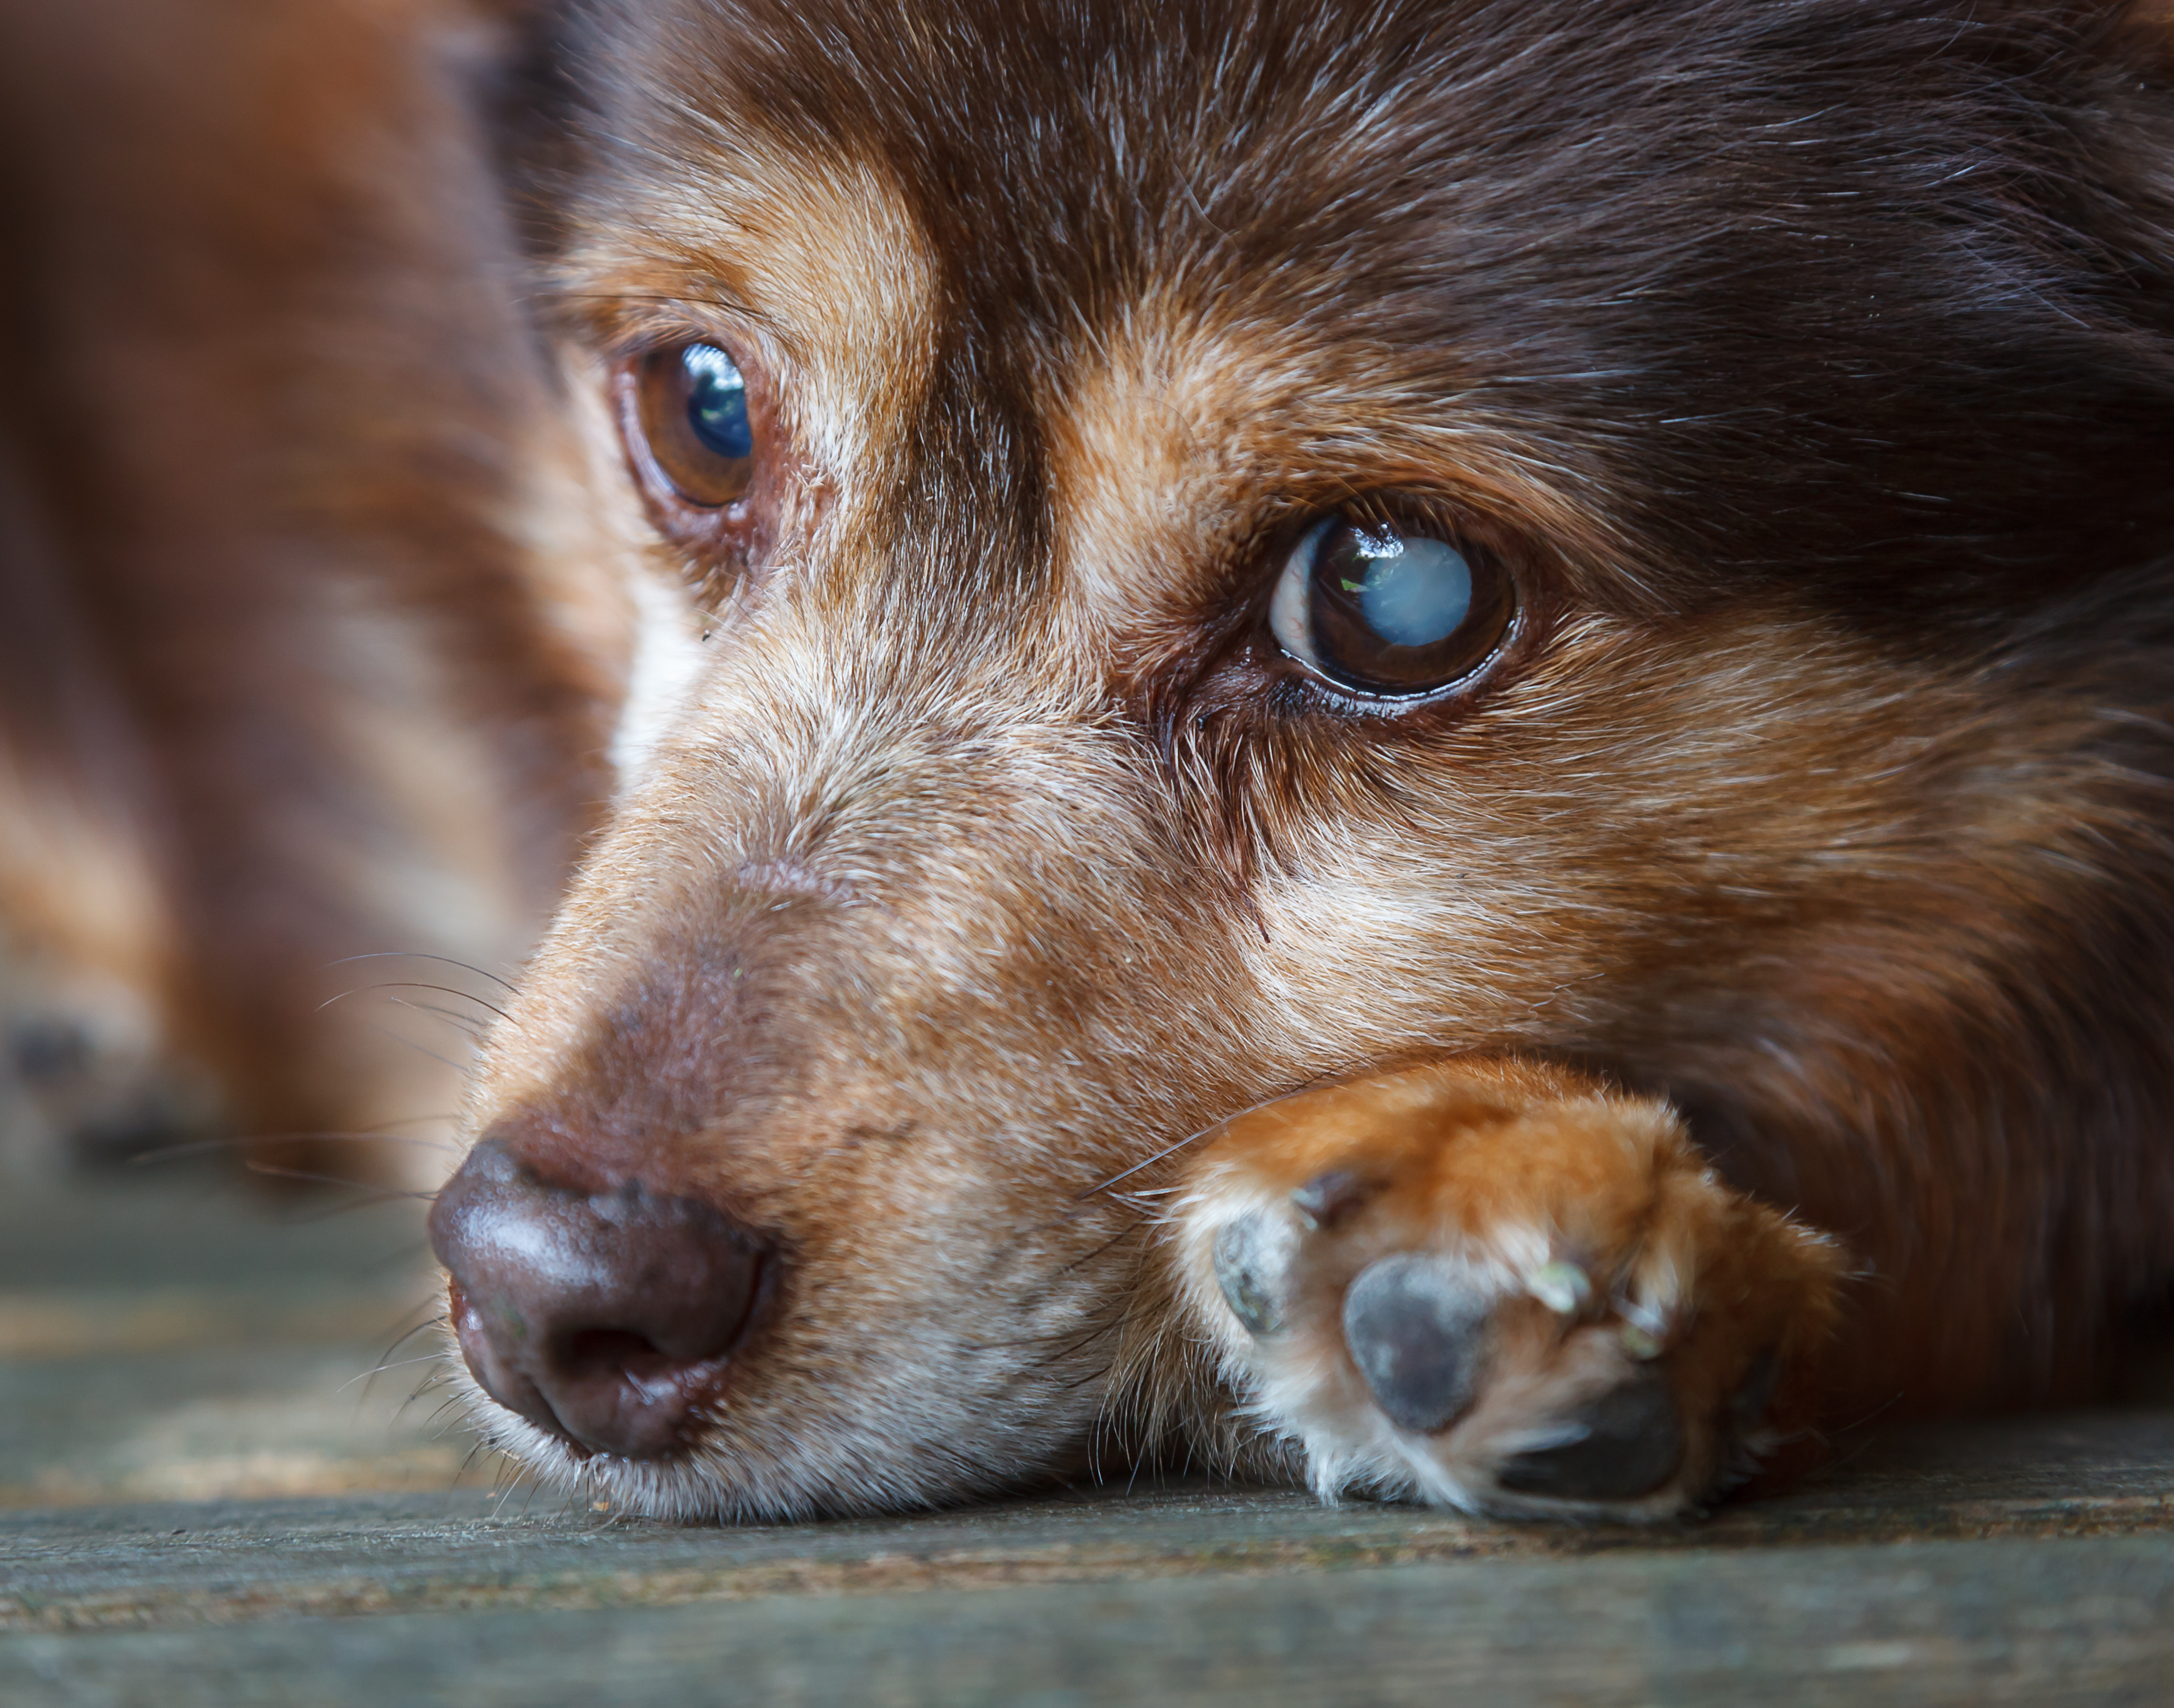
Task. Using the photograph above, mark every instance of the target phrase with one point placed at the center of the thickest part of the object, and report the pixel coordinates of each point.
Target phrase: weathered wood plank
(2084, 1621)
(172, 1340)
(2103, 1476)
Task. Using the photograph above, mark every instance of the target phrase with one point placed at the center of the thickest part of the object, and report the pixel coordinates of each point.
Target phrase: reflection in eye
(717, 402)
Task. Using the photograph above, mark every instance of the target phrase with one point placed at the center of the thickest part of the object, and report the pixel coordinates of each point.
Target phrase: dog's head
(1188, 548)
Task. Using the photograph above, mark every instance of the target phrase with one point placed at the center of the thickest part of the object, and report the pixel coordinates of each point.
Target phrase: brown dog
(1583, 581)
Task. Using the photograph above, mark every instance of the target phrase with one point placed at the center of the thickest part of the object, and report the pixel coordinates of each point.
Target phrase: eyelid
(722, 535)
(633, 324)
(665, 384)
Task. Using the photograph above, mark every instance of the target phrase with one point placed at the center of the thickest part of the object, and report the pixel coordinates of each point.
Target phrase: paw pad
(1630, 1441)
(1415, 1326)
(1252, 1254)
(1500, 1287)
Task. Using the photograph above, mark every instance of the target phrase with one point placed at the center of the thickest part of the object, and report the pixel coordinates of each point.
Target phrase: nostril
(610, 1354)
(606, 1317)
(614, 1349)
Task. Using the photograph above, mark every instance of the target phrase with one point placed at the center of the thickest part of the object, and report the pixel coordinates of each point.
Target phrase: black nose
(603, 1316)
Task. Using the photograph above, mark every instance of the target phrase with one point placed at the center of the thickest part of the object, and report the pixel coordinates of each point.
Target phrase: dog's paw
(1500, 1288)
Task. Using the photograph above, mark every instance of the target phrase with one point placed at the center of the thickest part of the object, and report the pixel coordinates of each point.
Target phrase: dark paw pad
(1414, 1327)
(1252, 1256)
(1632, 1442)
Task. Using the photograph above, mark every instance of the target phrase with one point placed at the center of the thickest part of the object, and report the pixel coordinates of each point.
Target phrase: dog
(1417, 746)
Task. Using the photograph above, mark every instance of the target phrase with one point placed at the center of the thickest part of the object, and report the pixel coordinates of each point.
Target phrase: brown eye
(1390, 611)
(693, 401)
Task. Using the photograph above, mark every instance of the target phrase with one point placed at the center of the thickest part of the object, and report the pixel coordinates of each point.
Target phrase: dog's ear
(536, 104)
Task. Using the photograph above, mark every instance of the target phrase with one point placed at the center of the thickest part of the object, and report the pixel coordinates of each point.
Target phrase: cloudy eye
(1388, 611)
(693, 401)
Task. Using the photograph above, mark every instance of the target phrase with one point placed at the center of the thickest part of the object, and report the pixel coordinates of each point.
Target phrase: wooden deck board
(2087, 1620)
(2099, 1478)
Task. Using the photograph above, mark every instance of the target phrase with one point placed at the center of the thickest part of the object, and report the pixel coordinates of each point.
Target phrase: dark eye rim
(1512, 551)
(719, 540)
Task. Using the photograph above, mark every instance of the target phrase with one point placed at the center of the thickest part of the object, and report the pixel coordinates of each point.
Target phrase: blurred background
(302, 721)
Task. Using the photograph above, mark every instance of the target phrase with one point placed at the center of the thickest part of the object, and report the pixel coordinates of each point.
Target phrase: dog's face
(1217, 546)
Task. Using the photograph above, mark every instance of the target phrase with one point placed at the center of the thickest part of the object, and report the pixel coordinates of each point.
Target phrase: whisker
(506, 984)
(296, 1174)
(461, 1469)
(439, 1380)
(1170, 1150)
(372, 1375)
(385, 1360)
(411, 985)
(448, 1406)
(423, 1049)
(513, 1475)
(459, 1021)
(1215, 1125)
(1069, 1340)
(203, 1146)
(617, 296)
(1124, 1233)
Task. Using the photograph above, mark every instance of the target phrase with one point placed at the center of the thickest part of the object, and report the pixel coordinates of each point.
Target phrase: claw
(1326, 1198)
(1564, 1288)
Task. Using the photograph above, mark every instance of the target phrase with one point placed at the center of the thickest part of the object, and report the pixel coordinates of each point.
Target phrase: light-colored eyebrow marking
(820, 258)
(1175, 439)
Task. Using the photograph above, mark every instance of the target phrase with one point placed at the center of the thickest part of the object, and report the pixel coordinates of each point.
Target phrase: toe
(1415, 1326)
(1630, 1441)
(1252, 1258)
(1327, 1198)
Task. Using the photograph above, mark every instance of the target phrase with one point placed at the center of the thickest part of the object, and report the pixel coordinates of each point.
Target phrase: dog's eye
(1390, 611)
(694, 408)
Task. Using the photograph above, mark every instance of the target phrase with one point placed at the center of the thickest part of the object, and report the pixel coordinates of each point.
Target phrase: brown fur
(1812, 361)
